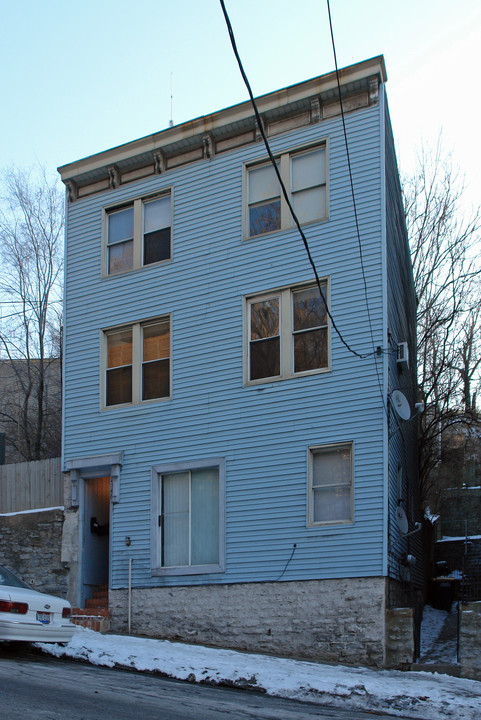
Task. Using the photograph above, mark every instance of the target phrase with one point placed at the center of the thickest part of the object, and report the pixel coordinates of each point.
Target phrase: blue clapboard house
(240, 475)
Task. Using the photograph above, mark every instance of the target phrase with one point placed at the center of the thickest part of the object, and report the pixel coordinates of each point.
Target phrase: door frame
(81, 470)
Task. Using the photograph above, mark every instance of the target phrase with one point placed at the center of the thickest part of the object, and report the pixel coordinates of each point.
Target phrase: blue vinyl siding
(402, 328)
(263, 432)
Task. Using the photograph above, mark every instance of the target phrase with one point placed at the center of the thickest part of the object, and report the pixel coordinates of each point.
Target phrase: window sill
(192, 570)
(141, 403)
(262, 382)
(141, 268)
(330, 524)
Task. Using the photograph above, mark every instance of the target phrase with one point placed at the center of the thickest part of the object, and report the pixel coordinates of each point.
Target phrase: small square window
(330, 484)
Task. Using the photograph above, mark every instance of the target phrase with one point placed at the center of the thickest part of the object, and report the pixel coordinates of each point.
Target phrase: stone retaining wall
(341, 620)
(469, 640)
(399, 637)
(30, 545)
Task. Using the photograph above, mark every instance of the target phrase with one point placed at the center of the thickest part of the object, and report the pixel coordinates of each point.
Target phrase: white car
(32, 616)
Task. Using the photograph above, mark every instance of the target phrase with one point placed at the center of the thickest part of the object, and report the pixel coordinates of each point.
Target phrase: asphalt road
(33, 685)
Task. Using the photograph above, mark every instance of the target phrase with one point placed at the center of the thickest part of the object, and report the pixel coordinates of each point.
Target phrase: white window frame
(286, 327)
(155, 544)
(319, 449)
(138, 233)
(137, 361)
(284, 161)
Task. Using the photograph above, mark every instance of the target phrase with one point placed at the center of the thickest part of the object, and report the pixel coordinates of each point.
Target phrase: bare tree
(468, 357)
(31, 254)
(446, 274)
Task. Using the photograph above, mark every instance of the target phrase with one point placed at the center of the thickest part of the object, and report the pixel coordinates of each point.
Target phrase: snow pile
(414, 694)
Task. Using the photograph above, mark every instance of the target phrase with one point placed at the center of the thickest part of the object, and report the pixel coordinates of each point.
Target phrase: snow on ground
(439, 635)
(412, 694)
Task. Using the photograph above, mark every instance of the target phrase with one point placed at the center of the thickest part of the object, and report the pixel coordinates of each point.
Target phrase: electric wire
(354, 205)
(287, 563)
(283, 187)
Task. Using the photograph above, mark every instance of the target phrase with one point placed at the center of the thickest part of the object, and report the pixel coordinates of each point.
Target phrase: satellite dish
(402, 520)
(401, 405)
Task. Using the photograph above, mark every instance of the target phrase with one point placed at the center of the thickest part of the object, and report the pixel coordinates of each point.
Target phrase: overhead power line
(283, 187)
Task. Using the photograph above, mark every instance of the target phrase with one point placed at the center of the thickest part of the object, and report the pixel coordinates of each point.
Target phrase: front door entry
(95, 546)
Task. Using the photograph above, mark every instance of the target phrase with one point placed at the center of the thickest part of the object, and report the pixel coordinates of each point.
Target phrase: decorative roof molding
(72, 190)
(373, 90)
(208, 146)
(304, 103)
(114, 176)
(316, 115)
(160, 164)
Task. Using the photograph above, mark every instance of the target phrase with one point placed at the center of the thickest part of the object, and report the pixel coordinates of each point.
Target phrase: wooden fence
(31, 485)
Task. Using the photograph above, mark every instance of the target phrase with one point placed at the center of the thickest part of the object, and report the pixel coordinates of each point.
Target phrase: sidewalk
(412, 694)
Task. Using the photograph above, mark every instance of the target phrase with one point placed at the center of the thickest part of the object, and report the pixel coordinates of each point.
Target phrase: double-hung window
(330, 484)
(287, 333)
(188, 534)
(304, 176)
(138, 234)
(137, 362)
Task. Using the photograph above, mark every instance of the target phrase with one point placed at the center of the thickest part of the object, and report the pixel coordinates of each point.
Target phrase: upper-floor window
(287, 333)
(137, 362)
(138, 234)
(304, 176)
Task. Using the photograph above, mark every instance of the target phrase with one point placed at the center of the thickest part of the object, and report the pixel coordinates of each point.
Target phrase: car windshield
(8, 578)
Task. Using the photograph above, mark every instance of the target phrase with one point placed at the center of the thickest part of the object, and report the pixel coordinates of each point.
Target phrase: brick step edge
(91, 612)
(91, 622)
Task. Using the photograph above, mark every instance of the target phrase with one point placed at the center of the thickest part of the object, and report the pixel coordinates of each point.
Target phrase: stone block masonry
(337, 620)
(399, 637)
(469, 639)
(30, 545)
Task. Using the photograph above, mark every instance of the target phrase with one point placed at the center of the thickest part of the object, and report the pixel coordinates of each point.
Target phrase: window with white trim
(287, 333)
(137, 362)
(138, 234)
(304, 175)
(330, 484)
(188, 518)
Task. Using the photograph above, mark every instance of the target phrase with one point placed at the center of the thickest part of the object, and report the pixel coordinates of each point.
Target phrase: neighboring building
(24, 433)
(249, 466)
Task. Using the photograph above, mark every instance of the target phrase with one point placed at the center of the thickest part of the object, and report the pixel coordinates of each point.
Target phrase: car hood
(33, 598)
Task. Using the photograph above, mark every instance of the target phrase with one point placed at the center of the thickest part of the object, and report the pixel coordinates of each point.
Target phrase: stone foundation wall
(469, 640)
(399, 637)
(331, 620)
(30, 545)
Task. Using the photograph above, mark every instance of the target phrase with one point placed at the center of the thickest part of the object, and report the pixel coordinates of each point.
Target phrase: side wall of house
(403, 460)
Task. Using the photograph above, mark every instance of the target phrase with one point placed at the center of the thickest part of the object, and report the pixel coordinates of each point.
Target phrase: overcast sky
(78, 78)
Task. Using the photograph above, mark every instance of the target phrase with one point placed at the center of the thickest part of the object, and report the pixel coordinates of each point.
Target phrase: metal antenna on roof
(171, 121)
